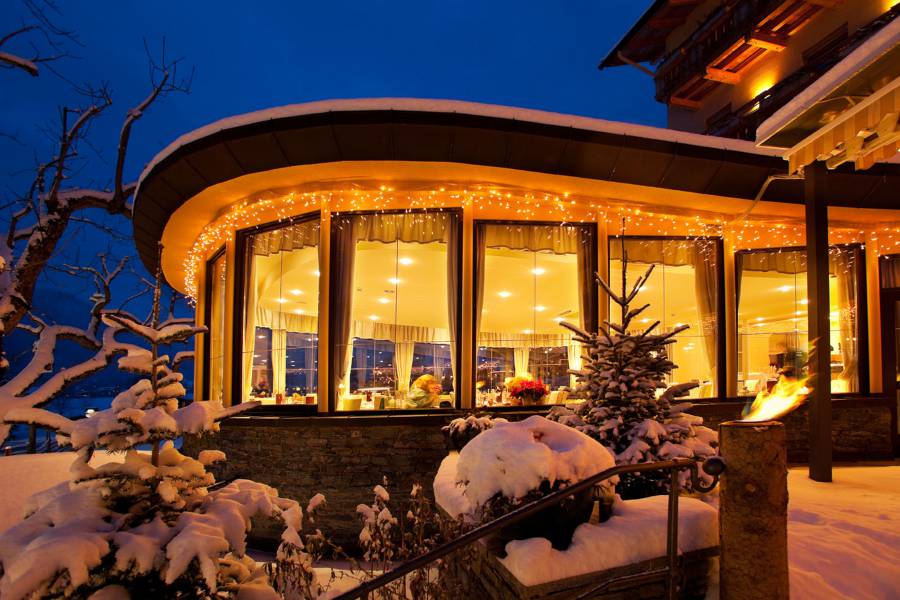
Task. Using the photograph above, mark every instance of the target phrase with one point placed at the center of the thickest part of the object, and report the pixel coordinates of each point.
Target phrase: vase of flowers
(527, 391)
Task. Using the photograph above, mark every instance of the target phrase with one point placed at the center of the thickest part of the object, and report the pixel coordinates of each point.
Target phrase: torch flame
(786, 395)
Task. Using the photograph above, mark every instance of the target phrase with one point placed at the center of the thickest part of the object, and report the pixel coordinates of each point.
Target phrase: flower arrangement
(529, 391)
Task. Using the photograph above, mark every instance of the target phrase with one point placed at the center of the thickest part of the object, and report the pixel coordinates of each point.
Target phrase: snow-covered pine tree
(622, 370)
(150, 527)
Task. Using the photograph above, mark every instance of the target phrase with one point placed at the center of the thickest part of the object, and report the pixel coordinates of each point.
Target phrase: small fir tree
(151, 526)
(622, 371)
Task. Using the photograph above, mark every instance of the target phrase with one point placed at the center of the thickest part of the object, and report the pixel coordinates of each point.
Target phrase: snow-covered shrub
(518, 462)
(622, 371)
(149, 526)
(418, 528)
(460, 431)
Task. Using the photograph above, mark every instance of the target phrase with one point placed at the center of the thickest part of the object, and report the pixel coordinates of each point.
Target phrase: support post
(814, 178)
(753, 501)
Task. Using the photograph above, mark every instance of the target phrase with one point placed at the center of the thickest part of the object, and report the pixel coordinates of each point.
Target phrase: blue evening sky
(254, 55)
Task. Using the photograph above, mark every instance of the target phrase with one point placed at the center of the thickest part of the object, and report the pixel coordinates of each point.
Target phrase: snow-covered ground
(844, 536)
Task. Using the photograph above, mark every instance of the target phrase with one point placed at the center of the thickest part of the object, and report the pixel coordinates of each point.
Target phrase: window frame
(721, 325)
(862, 310)
(241, 278)
(456, 221)
(593, 310)
(207, 320)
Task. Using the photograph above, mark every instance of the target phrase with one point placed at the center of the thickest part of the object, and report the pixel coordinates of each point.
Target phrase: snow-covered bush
(514, 463)
(622, 371)
(149, 526)
(386, 539)
(460, 431)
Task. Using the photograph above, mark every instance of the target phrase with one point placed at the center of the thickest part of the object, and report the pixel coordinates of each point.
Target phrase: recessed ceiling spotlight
(296, 292)
(504, 294)
(316, 273)
(394, 281)
(538, 271)
(540, 308)
(262, 337)
(383, 300)
(405, 261)
(558, 319)
(298, 311)
(526, 331)
(281, 300)
(373, 317)
(804, 302)
(784, 288)
(760, 319)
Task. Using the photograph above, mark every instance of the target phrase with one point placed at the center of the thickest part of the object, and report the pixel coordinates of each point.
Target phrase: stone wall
(862, 428)
(345, 457)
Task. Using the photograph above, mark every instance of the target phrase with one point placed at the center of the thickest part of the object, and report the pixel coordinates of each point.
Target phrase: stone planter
(556, 523)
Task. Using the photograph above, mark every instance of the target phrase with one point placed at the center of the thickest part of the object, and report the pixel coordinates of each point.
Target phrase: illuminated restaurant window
(531, 277)
(281, 306)
(773, 319)
(216, 322)
(394, 310)
(683, 290)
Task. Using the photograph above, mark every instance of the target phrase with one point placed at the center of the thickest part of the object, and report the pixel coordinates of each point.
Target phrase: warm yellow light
(296, 292)
(785, 396)
(540, 308)
(373, 317)
(538, 271)
(504, 294)
(784, 288)
(834, 314)
(526, 331)
(298, 311)
(804, 302)
(760, 319)
(316, 273)
(394, 281)
(558, 319)
(405, 261)
(281, 300)
(383, 300)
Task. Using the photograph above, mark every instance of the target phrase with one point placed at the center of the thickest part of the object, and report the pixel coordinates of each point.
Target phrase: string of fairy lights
(519, 204)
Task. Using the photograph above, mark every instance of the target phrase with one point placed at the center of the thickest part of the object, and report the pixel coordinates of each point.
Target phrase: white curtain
(520, 360)
(279, 360)
(403, 360)
(554, 238)
(573, 354)
(522, 340)
(249, 332)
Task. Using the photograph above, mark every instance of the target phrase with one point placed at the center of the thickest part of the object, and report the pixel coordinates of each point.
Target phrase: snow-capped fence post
(753, 512)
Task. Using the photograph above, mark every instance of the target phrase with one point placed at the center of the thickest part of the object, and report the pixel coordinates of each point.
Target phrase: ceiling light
(262, 337)
(296, 292)
(298, 311)
(538, 271)
(760, 319)
(280, 300)
(383, 300)
(316, 273)
(394, 281)
(526, 331)
(804, 302)
(784, 288)
(558, 319)
(504, 294)
(373, 317)
(678, 324)
(645, 320)
(834, 314)
(405, 261)
(540, 308)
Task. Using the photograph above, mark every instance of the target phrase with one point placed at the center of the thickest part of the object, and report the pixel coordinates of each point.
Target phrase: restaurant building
(368, 269)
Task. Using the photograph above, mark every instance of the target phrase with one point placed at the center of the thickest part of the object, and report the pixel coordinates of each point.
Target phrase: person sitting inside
(424, 392)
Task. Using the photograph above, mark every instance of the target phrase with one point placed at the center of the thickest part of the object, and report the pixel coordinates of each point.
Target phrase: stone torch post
(753, 512)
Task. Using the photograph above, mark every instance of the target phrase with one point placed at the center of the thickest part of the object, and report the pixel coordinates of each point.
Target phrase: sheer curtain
(520, 360)
(403, 360)
(249, 330)
(343, 255)
(706, 293)
(279, 361)
(453, 249)
(844, 264)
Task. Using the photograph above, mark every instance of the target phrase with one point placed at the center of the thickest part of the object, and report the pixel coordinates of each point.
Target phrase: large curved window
(773, 320)
(394, 310)
(530, 278)
(281, 306)
(683, 290)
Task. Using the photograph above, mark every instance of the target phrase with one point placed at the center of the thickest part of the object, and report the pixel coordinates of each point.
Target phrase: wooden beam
(723, 76)
(767, 40)
(825, 3)
(684, 103)
(818, 320)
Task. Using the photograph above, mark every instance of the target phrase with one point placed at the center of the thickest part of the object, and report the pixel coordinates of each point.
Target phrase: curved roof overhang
(473, 135)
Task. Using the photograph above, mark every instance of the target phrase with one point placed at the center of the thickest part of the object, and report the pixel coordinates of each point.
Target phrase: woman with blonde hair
(425, 392)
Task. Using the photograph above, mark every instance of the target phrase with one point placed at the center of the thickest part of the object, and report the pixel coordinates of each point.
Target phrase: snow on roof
(461, 107)
(866, 53)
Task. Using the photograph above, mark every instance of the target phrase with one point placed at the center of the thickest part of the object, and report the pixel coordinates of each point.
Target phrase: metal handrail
(713, 466)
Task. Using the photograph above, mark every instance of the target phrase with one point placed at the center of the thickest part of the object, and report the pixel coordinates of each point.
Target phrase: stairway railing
(671, 573)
